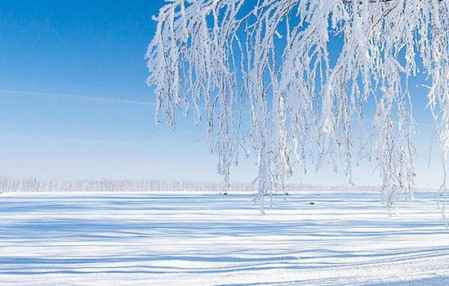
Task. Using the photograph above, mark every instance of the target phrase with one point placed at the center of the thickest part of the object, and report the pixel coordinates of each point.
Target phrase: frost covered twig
(290, 80)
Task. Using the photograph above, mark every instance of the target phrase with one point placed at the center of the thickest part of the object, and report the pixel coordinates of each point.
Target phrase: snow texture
(308, 238)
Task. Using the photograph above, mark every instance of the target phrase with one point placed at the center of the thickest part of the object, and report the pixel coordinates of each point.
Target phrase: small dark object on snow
(311, 203)
(225, 193)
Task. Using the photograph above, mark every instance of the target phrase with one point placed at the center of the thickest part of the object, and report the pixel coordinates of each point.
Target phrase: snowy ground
(206, 239)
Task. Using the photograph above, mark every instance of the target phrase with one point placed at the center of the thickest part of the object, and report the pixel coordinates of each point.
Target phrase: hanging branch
(266, 75)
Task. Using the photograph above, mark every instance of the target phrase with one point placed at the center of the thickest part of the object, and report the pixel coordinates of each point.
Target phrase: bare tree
(290, 80)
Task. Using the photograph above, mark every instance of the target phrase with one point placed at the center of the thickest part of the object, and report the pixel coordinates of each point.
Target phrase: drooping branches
(290, 80)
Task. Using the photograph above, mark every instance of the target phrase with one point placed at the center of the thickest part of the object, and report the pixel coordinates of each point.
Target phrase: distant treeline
(109, 185)
(131, 185)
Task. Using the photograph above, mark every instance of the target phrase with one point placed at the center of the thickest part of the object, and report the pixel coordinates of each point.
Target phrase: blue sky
(74, 99)
(75, 103)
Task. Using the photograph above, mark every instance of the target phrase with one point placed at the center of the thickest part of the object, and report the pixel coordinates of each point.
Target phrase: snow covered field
(206, 239)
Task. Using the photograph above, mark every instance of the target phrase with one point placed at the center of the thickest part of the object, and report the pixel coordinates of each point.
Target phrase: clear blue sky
(73, 95)
(74, 103)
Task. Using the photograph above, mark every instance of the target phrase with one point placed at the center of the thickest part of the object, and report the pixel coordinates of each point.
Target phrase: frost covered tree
(295, 82)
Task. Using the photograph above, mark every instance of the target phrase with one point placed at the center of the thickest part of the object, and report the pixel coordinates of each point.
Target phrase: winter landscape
(344, 238)
(224, 142)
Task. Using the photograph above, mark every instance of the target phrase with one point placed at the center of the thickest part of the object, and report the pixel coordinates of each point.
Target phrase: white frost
(267, 77)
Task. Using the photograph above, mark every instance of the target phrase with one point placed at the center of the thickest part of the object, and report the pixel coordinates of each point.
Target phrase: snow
(339, 87)
(344, 238)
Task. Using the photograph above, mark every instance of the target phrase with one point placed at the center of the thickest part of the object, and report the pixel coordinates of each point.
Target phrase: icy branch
(291, 80)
